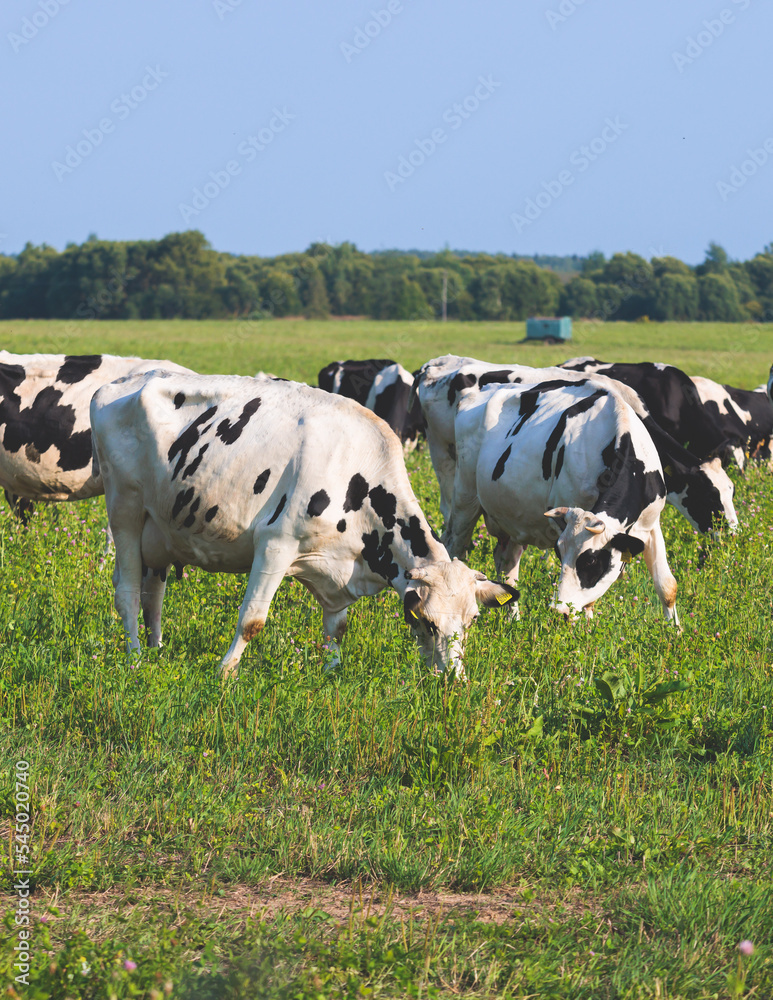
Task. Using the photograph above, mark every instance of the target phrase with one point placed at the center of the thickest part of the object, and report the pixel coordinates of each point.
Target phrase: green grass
(568, 847)
(738, 353)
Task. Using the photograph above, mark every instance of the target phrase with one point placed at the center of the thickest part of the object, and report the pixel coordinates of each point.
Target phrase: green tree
(633, 276)
(670, 265)
(675, 296)
(718, 299)
(316, 304)
(579, 297)
(715, 262)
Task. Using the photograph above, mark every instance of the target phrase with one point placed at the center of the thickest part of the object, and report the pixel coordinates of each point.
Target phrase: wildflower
(746, 948)
(129, 965)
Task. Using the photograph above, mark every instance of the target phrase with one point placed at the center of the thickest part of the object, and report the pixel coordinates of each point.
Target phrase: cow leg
(443, 456)
(662, 577)
(507, 559)
(152, 599)
(127, 579)
(334, 624)
(22, 507)
(269, 567)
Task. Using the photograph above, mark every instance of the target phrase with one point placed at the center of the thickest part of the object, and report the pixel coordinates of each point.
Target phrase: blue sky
(550, 126)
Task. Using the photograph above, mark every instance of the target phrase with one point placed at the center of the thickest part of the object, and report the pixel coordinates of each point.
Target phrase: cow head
(440, 604)
(703, 494)
(592, 551)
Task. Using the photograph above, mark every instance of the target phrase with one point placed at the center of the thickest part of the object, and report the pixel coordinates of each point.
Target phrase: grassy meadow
(588, 816)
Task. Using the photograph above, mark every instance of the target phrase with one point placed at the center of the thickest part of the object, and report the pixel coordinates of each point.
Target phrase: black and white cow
(770, 384)
(745, 416)
(565, 465)
(45, 433)
(274, 479)
(384, 387)
(701, 491)
(671, 398)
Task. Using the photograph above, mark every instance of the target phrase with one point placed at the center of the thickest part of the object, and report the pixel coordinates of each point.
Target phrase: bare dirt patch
(340, 902)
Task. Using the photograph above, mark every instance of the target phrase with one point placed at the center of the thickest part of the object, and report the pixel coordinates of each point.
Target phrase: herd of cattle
(276, 478)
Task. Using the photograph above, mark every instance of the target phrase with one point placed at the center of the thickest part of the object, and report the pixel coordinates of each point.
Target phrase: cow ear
(411, 605)
(495, 595)
(628, 545)
(559, 516)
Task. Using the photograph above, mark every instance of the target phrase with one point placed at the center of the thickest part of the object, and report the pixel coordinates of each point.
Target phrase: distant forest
(182, 276)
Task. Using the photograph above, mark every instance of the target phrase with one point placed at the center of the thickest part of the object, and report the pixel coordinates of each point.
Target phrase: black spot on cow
(195, 463)
(672, 400)
(228, 432)
(560, 460)
(584, 365)
(625, 489)
(279, 508)
(378, 555)
(411, 605)
(356, 377)
(494, 378)
(586, 403)
(356, 492)
(384, 504)
(558, 383)
(188, 522)
(627, 544)
(499, 468)
(45, 424)
(527, 408)
(179, 399)
(211, 513)
(701, 500)
(341, 525)
(413, 533)
(182, 500)
(77, 366)
(188, 439)
(11, 376)
(460, 381)
(318, 503)
(592, 566)
(260, 482)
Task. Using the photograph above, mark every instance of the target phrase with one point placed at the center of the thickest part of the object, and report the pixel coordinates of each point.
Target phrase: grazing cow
(671, 398)
(745, 416)
(701, 491)
(770, 384)
(45, 448)
(384, 387)
(576, 454)
(274, 479)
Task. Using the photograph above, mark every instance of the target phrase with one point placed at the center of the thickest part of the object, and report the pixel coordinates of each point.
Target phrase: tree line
(181, 276)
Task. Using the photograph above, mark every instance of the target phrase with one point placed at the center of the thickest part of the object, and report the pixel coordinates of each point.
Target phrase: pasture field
(588, 816)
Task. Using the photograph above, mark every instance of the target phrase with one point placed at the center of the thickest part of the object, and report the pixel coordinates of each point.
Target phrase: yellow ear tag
(504, 598)
(627, 557)
(415, 615)
(668, 470)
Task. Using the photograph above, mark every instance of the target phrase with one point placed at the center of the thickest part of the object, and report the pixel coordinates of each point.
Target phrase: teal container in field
(549, 328)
